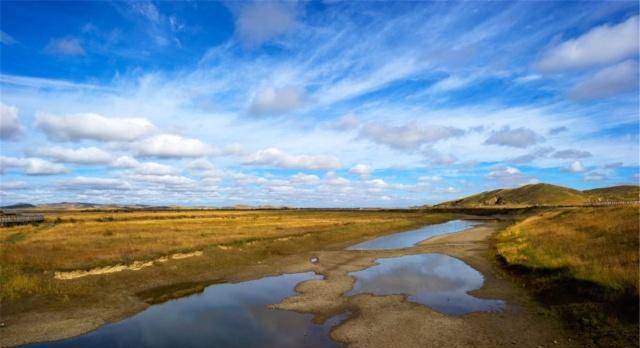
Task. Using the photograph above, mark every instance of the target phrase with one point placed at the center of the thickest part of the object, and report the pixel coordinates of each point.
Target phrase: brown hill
(545, 194)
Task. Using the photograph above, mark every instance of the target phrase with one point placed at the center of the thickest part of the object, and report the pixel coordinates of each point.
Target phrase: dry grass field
(583, 264)
(598, 245)
(81, 240)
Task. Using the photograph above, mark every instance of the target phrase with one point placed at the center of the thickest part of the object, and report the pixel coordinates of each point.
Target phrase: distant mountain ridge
(545, 194)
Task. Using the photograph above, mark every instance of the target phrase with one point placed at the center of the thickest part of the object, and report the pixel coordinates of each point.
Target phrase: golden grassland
(80, 240)
(598, 245)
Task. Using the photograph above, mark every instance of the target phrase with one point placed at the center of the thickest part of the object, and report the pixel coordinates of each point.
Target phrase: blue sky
(313, 103)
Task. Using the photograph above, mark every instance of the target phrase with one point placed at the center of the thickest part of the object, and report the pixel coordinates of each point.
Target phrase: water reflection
(224, 315)
(411, 238)
(435, 280)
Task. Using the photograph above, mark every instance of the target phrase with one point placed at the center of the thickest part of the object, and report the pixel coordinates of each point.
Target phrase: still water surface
(411, 238)
(438, 281)
(224, 315)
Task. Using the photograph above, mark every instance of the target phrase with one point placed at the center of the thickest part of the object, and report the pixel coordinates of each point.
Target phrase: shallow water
(224, 315)
(411, 238)
(438, 281)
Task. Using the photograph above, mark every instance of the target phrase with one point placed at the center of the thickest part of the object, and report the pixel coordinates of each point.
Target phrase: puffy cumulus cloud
(31, 166)
(510, 176)
(302, 178)
(276, 158)
(65, 46)
(361, 170)
(10, 127)
(94, 183)
(173, 146)
(200, 164)
(261, 21)
(407, 137)
(153, 168)
(83, 155)
(608, 82)
(377, 183)
(332, 179)
(571, 154)
(506, 172)
(602, 45)
(518, 137)
(575, 167)
(124, 162)
(273, 101)
(93, 127)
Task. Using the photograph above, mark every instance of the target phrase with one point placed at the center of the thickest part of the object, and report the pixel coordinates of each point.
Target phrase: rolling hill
(545, 194)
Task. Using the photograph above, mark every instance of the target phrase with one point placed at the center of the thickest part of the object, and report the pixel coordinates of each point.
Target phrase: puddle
(223, 315)
(411, 238)
(438, 281)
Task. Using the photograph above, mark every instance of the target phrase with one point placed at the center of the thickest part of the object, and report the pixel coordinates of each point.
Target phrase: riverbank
(393, 321)
(225, 246)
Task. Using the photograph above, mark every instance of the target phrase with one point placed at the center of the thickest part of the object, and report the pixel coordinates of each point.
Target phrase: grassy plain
(81, 240)
(583, 263)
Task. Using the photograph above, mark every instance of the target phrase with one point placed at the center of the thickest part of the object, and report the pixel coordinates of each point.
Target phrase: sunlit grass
(599, 245)
(74, 240)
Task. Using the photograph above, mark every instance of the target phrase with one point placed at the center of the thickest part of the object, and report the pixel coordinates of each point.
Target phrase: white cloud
(451, 83)
(377, 183)
(409, 136)
(518, 137)
(171, 180)
(595, 176)
(95, 183)
(575, 167)
(83, 155)
(608, 82)
(361, 170)
(510, 176)
(65, 46)
(153, 168)
(31, 166)
(124, 162)
(147, 10)
(13, 185)
(200, 164)
(332, 179)
(260, 21)
(602, 45)
(6, 39)
(273, 101)
(10, 127)
(276, 158)
(571, 153)
(93, 127)
(302, 178)
(171, 145)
